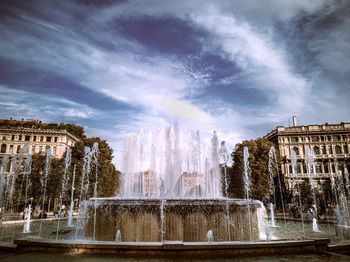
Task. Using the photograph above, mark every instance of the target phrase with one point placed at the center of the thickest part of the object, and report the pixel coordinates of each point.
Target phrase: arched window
(316, 150)
(315, 139)
(330, 150)
(326, 170)
(299, 168)
(324, 150)
(318, 168)
(296, 150)
(3, 148)
(337, 149)
(333, 168)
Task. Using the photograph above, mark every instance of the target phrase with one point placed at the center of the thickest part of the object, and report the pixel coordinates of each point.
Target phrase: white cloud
(25, 104)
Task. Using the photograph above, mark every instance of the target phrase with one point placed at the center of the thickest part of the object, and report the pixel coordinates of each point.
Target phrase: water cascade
(210, 236)
(272, 215)
(171, 191)
(310, 163)
(298, 191)
(274, 172)
(247, 181)
(43, 181)
(223, 158)
(5, 161)
(90, 158)
(118, 236)
(71, 207)
(341, 191)
(27, 217)
(160, 167)
(65, 180)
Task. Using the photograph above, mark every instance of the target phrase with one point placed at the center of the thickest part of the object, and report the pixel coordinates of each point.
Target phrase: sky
(115, 67)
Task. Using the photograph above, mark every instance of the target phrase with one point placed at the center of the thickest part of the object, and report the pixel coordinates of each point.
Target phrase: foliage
(258, 161)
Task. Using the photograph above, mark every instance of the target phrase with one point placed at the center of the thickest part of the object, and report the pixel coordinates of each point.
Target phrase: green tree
(258, 161)
(108, 175)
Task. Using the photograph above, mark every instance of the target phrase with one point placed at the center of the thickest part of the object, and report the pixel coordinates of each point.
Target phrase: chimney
(294, 120)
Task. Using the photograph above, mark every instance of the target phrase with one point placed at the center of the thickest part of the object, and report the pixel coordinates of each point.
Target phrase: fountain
(171, 191)
(27, 217)
(43, 181)
(301, 211)
(310, 163)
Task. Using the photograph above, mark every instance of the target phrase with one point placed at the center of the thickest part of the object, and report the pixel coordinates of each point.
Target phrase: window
(330, 150)
(322, 138)
(318, 168)
(20, 137)
(316, 150)
(299, 168)
(329, 138)
(48, 139)
(13, 137)
(294, 139)
(47, 148)
(40, 149)
(54, 151)
(34, 138)
(27, 138)
(315, 139)
(11, 149)
(326, 170)
(42, 139)
(337, 149)
(336, 138)
(296, 150)
(33, 149)
(3, 148)
(345, 149)
(324, 150)
(18, 148)
(56, 139)
(333, 168)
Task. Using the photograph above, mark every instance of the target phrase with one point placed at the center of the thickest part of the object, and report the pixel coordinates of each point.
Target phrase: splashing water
(27, 217)
(273, 171)
(310, 163)
(43, 181)
(157, 165)
(247, 182)
(65, 180)
(210, 236)
(5, 161)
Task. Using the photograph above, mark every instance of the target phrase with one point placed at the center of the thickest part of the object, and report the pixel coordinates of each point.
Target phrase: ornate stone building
(13, 140)
(330, 144)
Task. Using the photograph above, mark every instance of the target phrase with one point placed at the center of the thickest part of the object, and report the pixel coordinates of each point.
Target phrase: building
(14, 138)
(330, 144)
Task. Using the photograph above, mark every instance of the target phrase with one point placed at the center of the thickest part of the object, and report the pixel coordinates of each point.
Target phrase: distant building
(13, 139)
(328, 141)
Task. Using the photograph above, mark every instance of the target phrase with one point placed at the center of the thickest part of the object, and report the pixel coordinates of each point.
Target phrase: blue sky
(114, 67)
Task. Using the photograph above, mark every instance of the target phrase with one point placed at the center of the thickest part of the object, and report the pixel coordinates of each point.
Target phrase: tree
(108, 175)
(258, 161)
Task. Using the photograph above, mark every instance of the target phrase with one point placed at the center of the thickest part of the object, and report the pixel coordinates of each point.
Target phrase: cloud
(252, 65)
(23, 104)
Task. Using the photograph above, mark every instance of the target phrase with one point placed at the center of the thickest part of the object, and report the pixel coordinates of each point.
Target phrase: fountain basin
(188, 220)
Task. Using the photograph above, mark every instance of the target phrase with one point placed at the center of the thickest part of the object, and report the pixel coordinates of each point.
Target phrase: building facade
(14, 140)
(329, 142)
